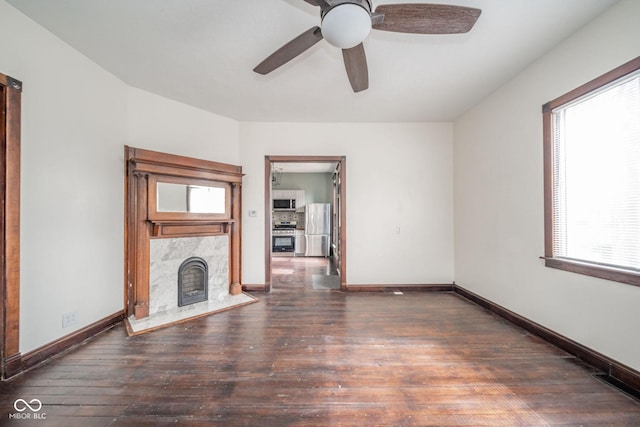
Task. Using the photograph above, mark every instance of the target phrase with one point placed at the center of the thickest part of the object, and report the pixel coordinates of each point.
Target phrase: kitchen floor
(303, 274)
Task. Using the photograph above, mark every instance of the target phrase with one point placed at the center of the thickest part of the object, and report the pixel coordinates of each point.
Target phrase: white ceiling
(202, 52)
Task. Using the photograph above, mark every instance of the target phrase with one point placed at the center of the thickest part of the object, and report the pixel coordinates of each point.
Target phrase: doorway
(337, 243)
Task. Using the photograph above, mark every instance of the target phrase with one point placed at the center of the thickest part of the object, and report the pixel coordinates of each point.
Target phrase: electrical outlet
(69, 319)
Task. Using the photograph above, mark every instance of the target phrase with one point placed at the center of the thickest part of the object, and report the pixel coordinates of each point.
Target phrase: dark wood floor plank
(305, 357)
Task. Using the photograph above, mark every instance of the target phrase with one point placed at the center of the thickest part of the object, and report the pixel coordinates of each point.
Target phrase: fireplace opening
(193, 281)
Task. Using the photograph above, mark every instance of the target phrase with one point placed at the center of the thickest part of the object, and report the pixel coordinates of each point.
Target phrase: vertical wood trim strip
(128, 243)
(11, 106)
(12, 220)
(236, 239)
(547, 129)
(142, 237)
(343, 222)
(267, 223)
(2, 228)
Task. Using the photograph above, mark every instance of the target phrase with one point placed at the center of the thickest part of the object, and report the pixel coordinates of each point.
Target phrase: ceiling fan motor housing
(346, 24)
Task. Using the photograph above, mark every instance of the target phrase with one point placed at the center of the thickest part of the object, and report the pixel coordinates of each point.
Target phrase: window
(592, 177)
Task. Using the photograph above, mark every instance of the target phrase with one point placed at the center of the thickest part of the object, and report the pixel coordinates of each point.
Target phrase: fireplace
(196, 268)
(160, 236)
(193, 281)
(184, 271)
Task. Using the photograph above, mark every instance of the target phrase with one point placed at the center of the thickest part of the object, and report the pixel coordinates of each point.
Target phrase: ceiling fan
(346, 23)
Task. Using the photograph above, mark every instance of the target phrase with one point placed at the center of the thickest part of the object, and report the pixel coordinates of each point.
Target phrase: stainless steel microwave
(284, 204)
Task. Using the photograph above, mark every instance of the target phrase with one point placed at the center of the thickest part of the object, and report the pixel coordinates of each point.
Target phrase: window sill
(595, 270)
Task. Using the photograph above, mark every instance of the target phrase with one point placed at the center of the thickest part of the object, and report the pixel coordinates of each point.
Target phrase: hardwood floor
(304, 356)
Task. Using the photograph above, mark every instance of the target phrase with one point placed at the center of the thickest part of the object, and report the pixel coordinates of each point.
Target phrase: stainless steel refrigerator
(317, 229)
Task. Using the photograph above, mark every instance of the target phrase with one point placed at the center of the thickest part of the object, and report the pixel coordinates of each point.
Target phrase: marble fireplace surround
(166, 255)
(159, 239)
(165, 258)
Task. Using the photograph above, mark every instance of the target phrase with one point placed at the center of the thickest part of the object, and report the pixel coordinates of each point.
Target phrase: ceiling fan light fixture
(346, 25)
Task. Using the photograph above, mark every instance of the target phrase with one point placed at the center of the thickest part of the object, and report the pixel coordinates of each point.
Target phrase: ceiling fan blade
(290, 50)
(355, 61)
(421, 18)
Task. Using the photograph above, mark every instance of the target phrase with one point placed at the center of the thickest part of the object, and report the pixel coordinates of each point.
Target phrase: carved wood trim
(173, 229)
(174, 165)
(144, 168)
(154, 215)
(10, 119)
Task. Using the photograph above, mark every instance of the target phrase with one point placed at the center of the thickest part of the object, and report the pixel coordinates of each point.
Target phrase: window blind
(596, 176)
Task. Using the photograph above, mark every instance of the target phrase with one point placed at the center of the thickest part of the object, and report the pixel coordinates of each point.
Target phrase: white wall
(499, 196)
(73, 129)
(318, 187)
(76, 118)
(160, 124)
(397, 175)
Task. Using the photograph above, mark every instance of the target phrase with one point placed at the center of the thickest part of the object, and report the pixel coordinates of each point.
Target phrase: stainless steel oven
(283, 238)
(283, 242)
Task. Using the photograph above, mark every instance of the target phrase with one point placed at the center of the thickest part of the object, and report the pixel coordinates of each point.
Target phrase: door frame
(342, 167)
(10, 119)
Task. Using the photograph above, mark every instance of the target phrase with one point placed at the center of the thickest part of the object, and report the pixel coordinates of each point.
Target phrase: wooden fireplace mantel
(145, 221)
(190, 228)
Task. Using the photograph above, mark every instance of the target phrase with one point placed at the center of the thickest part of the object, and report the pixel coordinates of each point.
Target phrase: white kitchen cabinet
(284, 194)
(299, 243)
(299, 198)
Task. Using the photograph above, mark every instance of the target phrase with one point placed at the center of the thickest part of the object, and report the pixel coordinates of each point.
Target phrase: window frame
(581, 267)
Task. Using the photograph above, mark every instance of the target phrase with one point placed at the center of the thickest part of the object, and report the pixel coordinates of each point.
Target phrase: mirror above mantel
(188, 199)
(200, 199)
